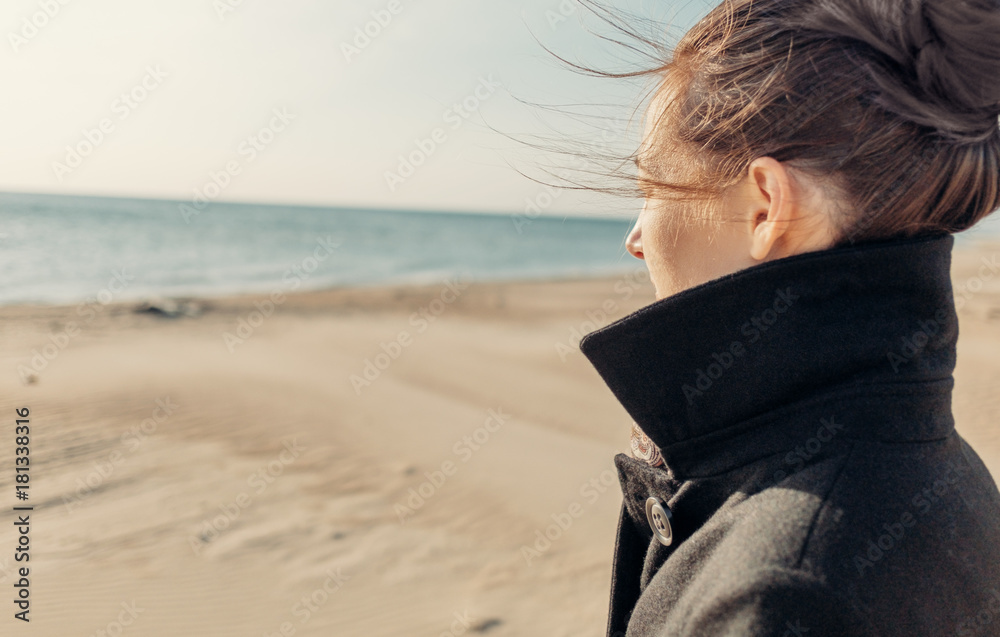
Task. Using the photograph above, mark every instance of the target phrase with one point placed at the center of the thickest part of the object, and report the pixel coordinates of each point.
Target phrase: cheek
(667, 246)
(670, 232)
(680, 252)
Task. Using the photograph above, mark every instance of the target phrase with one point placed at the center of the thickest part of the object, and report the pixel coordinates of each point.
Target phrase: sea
(59, 249)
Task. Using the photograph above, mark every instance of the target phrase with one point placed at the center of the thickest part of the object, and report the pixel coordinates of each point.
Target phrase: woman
(795, 468)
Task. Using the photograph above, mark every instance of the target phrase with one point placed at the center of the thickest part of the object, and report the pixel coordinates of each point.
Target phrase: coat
(812, 480)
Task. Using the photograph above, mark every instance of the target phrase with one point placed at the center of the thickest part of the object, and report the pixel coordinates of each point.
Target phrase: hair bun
(956, 59)
(946, 53)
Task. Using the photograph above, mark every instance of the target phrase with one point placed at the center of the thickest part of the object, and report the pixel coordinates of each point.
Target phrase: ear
(771, 206)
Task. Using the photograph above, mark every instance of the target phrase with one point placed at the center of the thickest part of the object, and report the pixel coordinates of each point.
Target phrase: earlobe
(761, 240)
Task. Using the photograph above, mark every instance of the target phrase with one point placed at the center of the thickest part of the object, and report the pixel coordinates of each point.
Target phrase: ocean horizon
(63, 249)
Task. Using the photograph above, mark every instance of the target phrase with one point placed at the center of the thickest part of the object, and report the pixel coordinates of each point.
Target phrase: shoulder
(875, 537)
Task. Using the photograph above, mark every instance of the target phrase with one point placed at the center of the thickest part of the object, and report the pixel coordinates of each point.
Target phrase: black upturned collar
(742, 365)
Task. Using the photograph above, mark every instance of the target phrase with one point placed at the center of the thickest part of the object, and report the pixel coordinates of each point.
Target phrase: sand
(190, 483)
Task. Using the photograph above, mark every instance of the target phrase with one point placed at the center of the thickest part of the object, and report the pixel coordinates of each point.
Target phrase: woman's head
(783, 126)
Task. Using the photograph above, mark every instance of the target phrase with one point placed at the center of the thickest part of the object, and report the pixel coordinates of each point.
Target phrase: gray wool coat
(813, 481)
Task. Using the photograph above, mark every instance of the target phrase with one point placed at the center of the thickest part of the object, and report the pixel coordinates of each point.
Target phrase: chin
(668, 289)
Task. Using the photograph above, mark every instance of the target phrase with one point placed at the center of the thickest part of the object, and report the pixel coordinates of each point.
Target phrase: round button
(658, 515)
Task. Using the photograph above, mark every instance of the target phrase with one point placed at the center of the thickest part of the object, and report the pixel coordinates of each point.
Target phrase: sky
(387, 103)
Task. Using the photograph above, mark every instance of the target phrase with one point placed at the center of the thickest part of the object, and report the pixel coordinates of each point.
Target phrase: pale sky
(183, 87)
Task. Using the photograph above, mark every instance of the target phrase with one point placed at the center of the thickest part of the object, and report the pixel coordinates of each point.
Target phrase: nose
(634, 242)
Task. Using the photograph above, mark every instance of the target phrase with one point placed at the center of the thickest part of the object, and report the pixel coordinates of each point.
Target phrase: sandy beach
(347, 462)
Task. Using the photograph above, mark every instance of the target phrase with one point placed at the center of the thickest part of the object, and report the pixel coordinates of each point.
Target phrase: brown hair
(894, 104)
